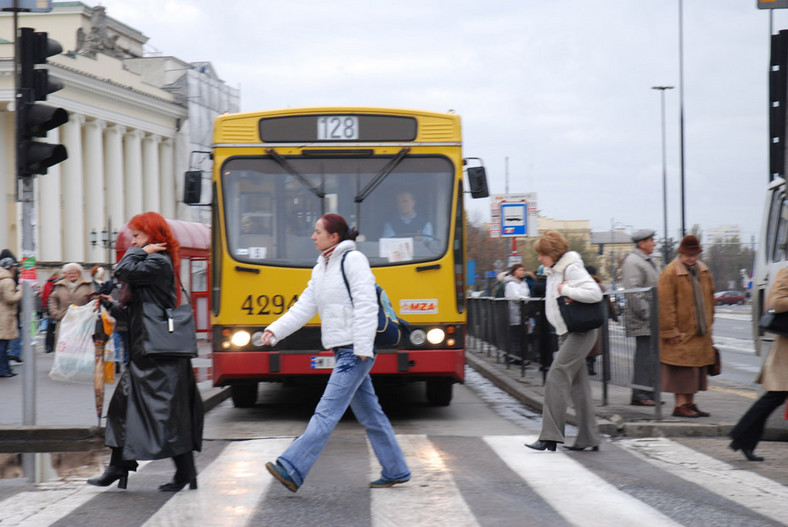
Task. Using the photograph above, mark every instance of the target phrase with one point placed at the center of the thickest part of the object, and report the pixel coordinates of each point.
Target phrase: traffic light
(778, 85)
(35, 120)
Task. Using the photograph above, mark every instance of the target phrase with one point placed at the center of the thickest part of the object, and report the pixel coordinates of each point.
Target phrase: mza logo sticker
(418, 306)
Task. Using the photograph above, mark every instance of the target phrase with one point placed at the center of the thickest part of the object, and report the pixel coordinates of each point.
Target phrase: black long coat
(156, 410)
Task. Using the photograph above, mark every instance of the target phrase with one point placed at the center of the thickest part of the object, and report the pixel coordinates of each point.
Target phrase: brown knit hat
(690, 245)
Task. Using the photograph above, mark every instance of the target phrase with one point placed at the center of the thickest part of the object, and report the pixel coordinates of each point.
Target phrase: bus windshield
(270, 209)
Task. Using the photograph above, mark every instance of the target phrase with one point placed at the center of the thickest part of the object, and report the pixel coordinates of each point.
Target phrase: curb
(614, 426)
(35, 438)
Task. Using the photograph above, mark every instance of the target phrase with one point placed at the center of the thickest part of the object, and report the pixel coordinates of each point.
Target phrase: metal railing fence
(489, 332)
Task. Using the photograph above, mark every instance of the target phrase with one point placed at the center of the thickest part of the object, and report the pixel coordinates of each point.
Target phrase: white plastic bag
(75, 352)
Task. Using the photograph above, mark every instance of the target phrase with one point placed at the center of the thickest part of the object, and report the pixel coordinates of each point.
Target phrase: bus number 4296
(266, 305)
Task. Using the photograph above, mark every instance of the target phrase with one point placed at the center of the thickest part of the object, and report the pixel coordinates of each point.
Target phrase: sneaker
(279, 472)
(12, 374)
(15, 359)
(383, 483)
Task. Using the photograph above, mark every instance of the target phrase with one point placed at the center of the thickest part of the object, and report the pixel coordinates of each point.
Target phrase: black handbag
(580, 317)
(716, 368)
(774, 322)
(170, 332)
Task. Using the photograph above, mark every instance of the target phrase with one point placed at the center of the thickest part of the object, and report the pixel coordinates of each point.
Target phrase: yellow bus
(397, 175)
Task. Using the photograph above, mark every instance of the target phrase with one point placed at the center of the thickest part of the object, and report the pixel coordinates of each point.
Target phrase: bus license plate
(323, 363)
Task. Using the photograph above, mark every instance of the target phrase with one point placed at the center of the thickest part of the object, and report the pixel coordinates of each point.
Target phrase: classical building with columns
(133, 122)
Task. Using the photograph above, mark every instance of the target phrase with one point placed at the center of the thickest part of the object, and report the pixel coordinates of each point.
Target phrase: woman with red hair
(156, 410)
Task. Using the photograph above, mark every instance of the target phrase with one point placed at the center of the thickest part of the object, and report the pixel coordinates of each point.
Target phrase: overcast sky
(562, 88)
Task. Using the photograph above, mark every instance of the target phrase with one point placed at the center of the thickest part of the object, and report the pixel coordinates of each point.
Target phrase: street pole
(664, 177)
(681, 110)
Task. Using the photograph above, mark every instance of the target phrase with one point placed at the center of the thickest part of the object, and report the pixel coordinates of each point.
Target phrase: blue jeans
(348, 385)
(5, 368)
(120, 340)
(15, 347)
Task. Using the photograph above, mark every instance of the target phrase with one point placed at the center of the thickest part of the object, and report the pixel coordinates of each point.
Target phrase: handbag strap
(178, 279)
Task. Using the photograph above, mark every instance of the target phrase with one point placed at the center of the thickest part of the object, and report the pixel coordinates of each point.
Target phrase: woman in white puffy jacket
(567, 276)
(347, 328)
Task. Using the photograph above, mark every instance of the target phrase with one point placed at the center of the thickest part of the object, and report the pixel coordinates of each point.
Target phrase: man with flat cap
(639, 270)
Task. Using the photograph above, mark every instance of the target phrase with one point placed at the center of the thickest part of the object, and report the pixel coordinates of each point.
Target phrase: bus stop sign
(514, 219)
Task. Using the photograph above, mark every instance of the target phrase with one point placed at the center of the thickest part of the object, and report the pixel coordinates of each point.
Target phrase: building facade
(133, 122)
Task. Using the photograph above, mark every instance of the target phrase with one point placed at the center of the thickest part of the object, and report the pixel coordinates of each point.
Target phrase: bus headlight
(241, 338)
(417, 337)
(435, 336)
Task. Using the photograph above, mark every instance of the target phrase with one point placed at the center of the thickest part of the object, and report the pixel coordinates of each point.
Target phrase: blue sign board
(514, 219)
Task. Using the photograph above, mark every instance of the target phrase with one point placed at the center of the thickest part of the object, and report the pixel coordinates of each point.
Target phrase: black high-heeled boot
(543, 445)
(749, 453)
(185, 473)
(112, 474)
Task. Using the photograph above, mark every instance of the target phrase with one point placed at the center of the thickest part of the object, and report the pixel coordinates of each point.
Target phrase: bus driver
(408, 223)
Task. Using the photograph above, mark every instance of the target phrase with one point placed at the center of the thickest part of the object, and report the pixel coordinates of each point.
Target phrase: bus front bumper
(239, 366)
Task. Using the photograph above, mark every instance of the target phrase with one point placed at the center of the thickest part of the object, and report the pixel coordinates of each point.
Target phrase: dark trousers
(49, 342)
(644, 366)
(749, 430)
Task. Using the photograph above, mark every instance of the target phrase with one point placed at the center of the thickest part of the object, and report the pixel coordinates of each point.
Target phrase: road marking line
(430, 498)
(229, 488)
(741, 393)
(50, 501)
(574, 492)
(754, 492)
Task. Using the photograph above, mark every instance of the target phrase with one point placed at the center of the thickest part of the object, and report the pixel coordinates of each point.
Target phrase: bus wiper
(293, 172)
(385, 171)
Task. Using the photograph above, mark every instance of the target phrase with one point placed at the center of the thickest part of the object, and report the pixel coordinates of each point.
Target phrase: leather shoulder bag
(170, 332)
(580, 317)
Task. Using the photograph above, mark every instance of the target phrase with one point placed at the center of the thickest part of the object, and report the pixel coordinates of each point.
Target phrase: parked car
(730, 297)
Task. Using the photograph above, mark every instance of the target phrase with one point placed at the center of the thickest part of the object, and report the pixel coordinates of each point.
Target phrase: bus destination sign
(337, 128)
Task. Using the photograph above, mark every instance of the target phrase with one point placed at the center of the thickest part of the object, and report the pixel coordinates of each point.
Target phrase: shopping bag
(75, 351)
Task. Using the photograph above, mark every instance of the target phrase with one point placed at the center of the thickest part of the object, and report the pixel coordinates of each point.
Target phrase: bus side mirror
(192, 187)
(477, 178)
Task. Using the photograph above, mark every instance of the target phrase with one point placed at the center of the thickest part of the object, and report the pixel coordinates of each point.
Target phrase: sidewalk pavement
(726, 401)
(65, 416)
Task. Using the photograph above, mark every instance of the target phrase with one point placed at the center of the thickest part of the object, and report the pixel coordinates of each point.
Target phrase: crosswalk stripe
(431, 497)
(49, 502)
(577, 494)
(755, 492)
(228, 490)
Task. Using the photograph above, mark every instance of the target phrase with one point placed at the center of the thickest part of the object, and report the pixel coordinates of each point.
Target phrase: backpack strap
(344, 276)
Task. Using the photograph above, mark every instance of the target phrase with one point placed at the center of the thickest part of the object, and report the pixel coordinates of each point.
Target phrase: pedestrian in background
(10, 295)
(347, 327)
(49, 340)
(156, 410)
(567, 377)
(15, 345)
(686, 315)
(773, 377)
(73, 289)
(640, 271)
(516, 290)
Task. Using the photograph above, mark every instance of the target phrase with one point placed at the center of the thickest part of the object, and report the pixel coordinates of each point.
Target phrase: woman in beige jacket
(10, 295)
(774, 378)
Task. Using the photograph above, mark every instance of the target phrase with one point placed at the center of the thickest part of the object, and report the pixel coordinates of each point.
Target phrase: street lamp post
(664, 177)
(107, 241)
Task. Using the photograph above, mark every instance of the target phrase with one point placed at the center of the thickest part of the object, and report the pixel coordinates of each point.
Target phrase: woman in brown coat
(774, 378)
(72, 289)
(686, 314)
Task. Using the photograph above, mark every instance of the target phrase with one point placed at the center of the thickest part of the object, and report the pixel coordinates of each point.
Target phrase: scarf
(697, 292)
(328, 252)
